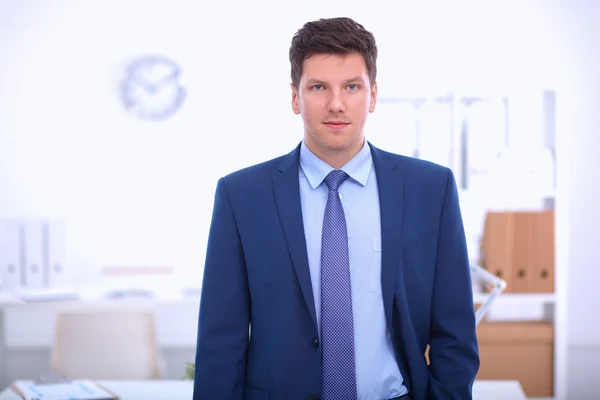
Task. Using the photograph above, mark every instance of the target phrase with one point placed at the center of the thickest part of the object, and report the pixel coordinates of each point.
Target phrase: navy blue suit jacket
(257, 272)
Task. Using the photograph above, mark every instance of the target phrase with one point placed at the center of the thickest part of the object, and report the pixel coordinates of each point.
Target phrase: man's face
(334, 97)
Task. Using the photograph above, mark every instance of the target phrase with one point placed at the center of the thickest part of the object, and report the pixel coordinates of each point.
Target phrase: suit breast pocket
(376, 267)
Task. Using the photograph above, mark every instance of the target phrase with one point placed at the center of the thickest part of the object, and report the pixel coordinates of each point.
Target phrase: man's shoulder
(257, 172)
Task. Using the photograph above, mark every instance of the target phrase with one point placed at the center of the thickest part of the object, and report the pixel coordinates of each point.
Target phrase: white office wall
(580, 24)
(133, 193)
(584, 272)
(139, 193)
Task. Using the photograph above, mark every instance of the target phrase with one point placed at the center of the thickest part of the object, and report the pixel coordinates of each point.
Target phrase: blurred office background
(108, 166)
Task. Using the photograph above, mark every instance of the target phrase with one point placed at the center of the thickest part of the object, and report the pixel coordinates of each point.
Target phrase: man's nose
(336, 103)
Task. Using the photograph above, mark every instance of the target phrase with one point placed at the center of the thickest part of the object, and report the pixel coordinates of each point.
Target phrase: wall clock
(151, 89)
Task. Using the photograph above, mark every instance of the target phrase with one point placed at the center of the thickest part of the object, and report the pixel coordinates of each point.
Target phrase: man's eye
(316, 87)
(353, 86)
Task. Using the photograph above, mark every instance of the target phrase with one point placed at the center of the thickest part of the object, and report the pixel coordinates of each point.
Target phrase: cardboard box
(520, 351)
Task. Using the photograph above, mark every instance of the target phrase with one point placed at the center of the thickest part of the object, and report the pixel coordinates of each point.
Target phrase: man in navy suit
(330, 269)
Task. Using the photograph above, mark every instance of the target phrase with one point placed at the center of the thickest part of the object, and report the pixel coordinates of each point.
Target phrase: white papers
(72, 390)
(47, 294)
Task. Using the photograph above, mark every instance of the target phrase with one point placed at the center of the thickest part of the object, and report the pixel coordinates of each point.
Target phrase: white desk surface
(182, 390)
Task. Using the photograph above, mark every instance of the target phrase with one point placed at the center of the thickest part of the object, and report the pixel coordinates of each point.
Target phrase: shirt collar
(315, 169)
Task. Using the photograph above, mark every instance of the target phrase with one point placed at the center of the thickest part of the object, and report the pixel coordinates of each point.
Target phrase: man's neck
(337, 158)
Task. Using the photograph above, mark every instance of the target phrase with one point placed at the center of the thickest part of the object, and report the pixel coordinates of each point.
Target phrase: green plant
(189, 372)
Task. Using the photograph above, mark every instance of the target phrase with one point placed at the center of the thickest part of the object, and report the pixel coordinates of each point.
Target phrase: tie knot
(335, 178)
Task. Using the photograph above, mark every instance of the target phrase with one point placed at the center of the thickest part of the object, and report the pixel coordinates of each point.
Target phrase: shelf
(511, 298)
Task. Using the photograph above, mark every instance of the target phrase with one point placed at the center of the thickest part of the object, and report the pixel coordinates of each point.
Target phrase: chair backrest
(106, 345)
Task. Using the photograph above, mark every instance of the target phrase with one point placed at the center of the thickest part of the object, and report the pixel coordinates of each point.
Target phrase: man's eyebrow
(356, 79)
(318, 81)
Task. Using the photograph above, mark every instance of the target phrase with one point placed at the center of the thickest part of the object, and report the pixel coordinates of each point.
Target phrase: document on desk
(73, 390)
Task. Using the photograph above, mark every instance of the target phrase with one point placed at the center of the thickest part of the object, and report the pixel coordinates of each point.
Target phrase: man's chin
(335, 144)
(339, 145)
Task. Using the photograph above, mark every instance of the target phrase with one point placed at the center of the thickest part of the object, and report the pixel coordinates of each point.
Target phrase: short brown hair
(332, 36)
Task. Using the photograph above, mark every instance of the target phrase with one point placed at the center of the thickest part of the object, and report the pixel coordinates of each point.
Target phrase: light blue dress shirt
(377, 373)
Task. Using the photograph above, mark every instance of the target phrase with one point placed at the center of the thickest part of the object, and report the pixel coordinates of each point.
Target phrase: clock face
(151, 89)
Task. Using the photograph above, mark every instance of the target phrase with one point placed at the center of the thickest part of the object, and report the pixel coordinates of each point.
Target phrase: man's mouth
(336, 124)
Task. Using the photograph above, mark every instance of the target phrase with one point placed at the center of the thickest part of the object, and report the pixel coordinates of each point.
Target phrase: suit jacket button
(315, 397)
(315, 343)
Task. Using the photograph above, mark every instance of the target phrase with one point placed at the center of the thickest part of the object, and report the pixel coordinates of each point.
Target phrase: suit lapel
(390, 182)
(287, 197)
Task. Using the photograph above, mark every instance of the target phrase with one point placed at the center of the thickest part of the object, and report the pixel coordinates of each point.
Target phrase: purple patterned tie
(337, 326)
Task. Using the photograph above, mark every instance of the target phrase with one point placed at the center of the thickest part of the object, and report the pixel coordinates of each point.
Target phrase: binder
(497, 246)
(55, 238)
(543, 257)
(10, 255)
(518, 246)
(522, 233)
(34, 253)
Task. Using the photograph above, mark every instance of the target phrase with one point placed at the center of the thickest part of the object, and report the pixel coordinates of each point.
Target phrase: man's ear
(373, 97)
(295, 99)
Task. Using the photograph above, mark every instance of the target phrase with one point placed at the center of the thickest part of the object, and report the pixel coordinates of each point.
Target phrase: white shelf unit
(518, 298)
(529, 112)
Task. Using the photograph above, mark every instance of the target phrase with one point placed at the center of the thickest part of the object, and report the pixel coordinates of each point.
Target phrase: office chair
(106, 345)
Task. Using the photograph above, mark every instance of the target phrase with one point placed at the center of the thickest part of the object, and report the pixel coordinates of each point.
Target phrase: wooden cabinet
(520, 351)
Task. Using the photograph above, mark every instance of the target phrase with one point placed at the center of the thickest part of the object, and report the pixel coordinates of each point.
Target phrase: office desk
(176, 318)
(25, 352)
(176, 323)
(182, 390)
